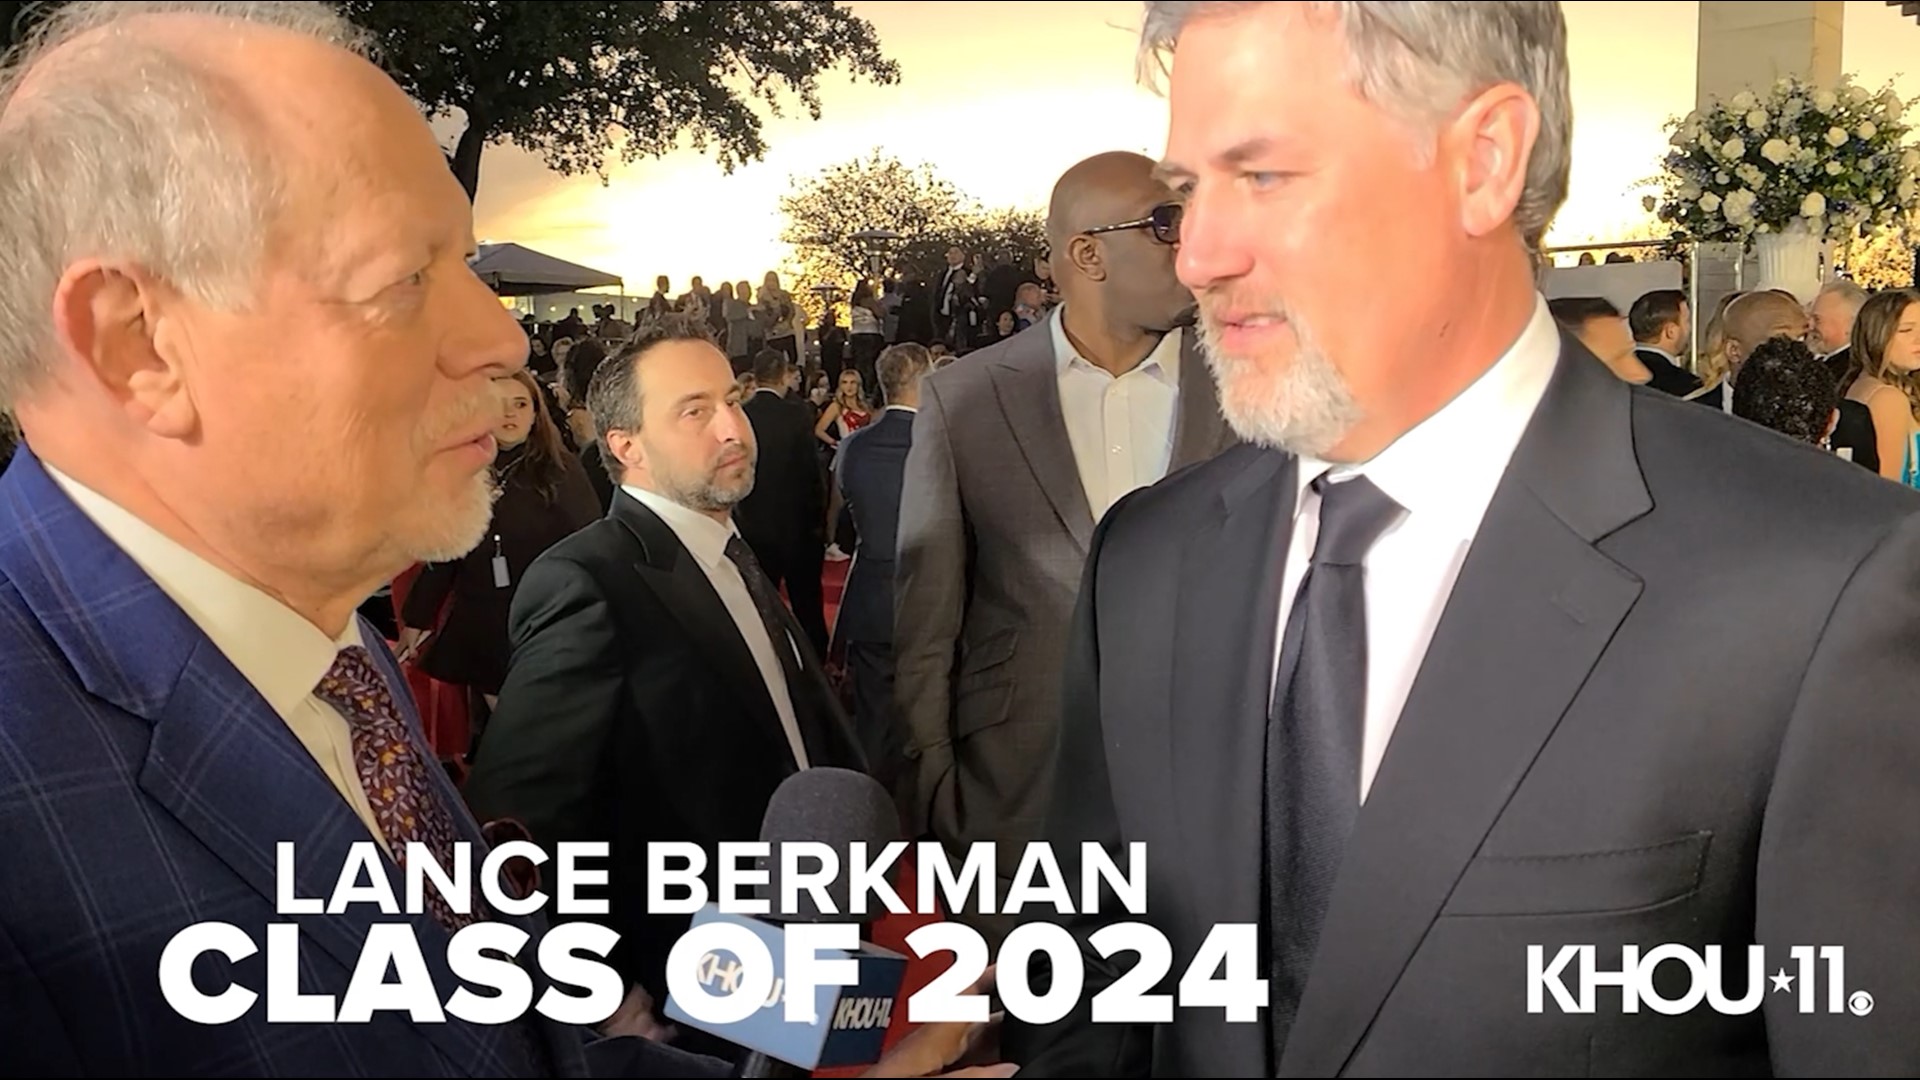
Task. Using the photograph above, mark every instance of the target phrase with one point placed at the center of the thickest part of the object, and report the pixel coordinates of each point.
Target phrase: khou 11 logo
(1634, 978)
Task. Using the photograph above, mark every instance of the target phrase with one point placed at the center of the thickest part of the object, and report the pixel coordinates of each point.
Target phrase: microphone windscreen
(834, 807)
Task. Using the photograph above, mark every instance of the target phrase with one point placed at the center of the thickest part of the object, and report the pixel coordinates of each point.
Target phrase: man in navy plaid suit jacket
(254, 374)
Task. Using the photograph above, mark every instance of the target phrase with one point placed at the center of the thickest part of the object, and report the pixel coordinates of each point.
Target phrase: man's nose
(1213, 247)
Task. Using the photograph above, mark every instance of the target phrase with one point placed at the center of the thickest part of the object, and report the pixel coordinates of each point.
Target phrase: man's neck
(1477, 329)
(776, 391)
(1115, 349)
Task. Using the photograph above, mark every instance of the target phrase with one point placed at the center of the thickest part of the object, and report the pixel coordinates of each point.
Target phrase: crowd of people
(1837, 372)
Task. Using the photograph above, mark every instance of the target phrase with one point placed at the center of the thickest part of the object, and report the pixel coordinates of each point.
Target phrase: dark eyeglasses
(1163, 221)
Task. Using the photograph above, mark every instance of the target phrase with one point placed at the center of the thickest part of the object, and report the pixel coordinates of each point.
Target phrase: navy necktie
(1315, 732)
(775, 617)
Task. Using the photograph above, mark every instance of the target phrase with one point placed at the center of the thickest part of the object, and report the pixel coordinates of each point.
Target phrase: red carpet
(833, 583)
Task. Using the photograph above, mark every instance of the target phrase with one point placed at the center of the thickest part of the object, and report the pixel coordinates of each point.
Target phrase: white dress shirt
(272, 646)
(707, 540)
(1443, 473)
(1121, 429)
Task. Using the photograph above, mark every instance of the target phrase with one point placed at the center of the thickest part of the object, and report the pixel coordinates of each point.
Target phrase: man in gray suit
(1478, 674)
(1017, 451)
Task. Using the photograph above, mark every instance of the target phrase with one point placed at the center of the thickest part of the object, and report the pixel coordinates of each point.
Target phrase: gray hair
(1422, 60)
(1852, 295)
(126, 149)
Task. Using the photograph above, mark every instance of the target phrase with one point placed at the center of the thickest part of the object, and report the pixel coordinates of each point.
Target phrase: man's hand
(411, 638)
(933, 1047)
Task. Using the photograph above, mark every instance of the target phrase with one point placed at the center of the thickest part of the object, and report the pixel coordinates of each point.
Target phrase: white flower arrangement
(1830, 163)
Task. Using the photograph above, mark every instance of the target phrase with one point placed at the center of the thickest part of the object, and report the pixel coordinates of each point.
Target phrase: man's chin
(455, 526)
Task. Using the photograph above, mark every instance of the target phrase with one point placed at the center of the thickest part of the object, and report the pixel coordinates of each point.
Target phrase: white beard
(1305, 408)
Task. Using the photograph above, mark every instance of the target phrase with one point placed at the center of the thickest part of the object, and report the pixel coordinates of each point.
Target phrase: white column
(1751, 44)
(1747, 45)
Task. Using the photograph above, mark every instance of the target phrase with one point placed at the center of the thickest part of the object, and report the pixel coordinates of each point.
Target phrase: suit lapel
(684, 589)
(1534, 607)
(1217, 742)
(1200, 431)
(220, 757)
(561, 1041)
(1025, 381)
(220, 761)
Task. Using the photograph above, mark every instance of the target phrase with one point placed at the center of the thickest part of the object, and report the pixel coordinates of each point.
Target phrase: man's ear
(1086, 256)
(1492, 141)
(627, 449)
(115, 322)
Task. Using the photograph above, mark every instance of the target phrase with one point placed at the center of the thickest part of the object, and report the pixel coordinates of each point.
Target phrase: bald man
(1759, 317)
(1018, 450)
(195, 726)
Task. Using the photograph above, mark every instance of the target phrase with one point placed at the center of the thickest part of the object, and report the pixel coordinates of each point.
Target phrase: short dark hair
(614, 394)
(1653, 311)
(770, 367)
(1783, 386)
(899, 367)
(1574, 312)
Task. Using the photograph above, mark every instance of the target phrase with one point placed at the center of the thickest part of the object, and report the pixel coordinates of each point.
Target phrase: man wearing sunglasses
(1018, 449)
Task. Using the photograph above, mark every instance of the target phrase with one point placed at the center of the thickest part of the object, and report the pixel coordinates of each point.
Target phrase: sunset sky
(1001, 98)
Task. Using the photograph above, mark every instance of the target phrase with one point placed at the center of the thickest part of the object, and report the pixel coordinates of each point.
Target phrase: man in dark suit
(183, 549)
(1662, 325)
(1017, 451)
(871, 469)
(784, 518)
(1474, 648)
(659, 689)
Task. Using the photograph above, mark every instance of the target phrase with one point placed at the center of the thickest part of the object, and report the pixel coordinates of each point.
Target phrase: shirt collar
(1163, 363)
(273, 647)
(902, 408)
(1447, 467)
(1644, 347)
(704, 537)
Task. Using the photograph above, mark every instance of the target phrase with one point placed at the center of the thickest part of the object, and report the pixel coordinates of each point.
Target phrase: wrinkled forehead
(1265, 82)
(357, 169)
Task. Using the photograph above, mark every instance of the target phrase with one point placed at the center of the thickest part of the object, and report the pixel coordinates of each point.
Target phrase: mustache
(462, 416)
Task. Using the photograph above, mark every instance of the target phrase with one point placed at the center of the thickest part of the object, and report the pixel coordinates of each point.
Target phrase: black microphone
(837, 808)
(833, 807)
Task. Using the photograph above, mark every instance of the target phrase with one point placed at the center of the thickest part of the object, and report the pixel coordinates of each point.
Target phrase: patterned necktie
(400, 790)
(393, 772)
(1315, 732)
(773, 615)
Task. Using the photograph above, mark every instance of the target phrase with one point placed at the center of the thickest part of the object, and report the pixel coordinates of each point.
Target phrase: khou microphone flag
(749, 982)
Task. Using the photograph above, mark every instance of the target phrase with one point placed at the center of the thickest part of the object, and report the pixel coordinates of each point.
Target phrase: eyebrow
(1246, 151)
(1232, 157)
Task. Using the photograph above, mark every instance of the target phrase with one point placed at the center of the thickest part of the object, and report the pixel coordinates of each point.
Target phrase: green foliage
(823, 212)
(580, 81)
(577, 82)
